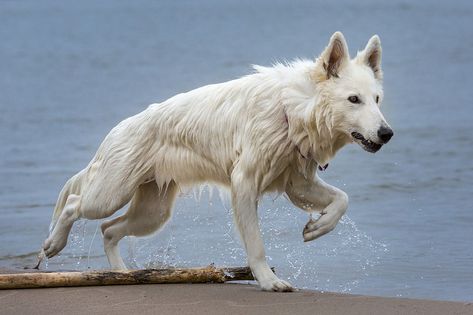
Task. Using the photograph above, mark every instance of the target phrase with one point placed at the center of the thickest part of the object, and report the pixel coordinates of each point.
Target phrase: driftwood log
(106, 277)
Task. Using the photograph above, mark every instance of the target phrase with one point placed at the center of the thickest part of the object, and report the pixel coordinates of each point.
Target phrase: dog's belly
(187, 167)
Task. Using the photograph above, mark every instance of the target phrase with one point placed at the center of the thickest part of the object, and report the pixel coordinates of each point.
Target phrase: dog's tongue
(323, 168)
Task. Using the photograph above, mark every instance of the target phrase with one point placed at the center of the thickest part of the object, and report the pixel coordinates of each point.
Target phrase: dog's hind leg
(150, 208)
(244, 199)
(58, 237)
(96, 201)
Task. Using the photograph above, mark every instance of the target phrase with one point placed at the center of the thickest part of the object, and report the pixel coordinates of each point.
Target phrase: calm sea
(71, 70)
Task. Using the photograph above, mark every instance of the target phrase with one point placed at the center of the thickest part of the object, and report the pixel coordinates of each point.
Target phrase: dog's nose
(385, 134)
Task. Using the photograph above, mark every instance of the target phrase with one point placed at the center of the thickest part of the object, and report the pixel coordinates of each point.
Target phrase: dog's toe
(315, 229)
(282, 286)
(51, 252)
(46, 244)
(312, 235)
(52, 248)
(277, 285)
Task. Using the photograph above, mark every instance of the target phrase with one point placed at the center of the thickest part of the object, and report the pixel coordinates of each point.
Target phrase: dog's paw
(315, 229)
(52, 246)
(276, 285)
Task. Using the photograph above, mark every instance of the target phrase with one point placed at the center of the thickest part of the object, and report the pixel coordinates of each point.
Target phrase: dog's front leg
(244, 200)
(316, 195)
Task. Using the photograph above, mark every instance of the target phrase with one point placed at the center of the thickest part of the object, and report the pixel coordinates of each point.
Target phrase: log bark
(106, 277)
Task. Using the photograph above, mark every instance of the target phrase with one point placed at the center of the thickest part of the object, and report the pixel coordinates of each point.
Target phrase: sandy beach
(210, 299)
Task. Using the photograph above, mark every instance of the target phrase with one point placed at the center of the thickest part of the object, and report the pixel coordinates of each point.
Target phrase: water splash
(200, 234)
(77, 241)
(91, 243)
(203, 233)
(338, 261)
(81, 251)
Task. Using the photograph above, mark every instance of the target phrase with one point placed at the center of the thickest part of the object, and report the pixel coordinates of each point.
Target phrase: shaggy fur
(267, 131)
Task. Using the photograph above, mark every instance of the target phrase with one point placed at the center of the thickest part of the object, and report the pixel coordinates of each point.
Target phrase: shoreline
(229, 298)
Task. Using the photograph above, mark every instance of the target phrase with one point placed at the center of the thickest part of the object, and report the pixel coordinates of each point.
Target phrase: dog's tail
(72, 186)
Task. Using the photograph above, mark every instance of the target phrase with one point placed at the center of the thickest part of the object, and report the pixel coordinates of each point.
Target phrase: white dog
(268, 131)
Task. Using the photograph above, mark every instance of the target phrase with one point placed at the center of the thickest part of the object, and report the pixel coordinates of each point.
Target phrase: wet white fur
(267, 131)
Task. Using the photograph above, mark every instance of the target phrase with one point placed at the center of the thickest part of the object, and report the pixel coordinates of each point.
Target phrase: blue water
(70, 71)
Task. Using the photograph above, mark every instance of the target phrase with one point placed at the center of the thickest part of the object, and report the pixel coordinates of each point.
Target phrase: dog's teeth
(357, 135)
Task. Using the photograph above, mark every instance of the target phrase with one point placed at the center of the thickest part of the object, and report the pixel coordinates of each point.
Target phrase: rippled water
(70, 71)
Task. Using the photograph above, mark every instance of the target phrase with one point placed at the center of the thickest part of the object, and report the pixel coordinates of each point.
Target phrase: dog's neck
(313, 138)
(307, 113)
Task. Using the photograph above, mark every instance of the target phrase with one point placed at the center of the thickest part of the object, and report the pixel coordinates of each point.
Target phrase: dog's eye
(354, 99)
(377, 99)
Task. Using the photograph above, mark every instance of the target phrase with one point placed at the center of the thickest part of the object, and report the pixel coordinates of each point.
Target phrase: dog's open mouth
(368, 145)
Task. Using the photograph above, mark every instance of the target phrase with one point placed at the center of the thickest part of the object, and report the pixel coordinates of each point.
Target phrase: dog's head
(352, 89)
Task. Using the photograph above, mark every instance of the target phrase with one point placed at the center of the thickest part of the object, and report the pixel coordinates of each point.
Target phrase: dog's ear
(371, 56)
(335, 56)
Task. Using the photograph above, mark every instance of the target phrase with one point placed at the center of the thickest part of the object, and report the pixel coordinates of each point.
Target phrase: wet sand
(209, 299)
